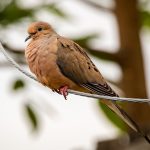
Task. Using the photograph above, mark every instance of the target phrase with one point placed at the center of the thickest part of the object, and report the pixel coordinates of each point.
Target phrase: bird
(61, 64)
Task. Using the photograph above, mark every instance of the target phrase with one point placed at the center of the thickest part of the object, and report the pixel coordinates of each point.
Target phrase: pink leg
(64, 91)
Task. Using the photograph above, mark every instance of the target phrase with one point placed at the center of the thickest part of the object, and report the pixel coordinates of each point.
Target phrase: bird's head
(37, 29)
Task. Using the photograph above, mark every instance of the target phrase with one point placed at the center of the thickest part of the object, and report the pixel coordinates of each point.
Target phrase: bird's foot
(64, 91)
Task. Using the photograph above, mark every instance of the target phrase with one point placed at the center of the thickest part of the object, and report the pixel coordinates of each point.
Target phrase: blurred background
(116, 34)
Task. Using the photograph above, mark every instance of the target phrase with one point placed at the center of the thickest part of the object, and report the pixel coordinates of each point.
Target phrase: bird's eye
(39, 29)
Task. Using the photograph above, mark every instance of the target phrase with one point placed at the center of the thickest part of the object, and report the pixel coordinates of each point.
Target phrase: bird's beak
(28, 38)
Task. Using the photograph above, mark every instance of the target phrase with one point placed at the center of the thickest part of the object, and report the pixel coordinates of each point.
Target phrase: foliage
(145, 18)
(113, 117)
(144, 13)
(32, 116)
(18, 13)
(84, 40)
(18, 84)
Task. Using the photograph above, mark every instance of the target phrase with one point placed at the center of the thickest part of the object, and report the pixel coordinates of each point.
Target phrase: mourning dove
(61, 64)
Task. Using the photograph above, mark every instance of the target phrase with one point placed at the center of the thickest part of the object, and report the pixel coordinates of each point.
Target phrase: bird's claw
(64, 91)
(56, 90)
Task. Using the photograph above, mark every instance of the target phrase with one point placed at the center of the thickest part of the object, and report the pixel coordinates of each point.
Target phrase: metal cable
(121, 99)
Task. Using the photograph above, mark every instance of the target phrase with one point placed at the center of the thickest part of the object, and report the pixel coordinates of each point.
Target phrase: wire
(12, 62)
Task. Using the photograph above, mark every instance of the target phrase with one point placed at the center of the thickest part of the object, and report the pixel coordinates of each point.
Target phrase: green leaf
(145, 18)
(113, 117)
(32, 116)
(56, 11)
(18, 84)
(13, 13)
(83, 41)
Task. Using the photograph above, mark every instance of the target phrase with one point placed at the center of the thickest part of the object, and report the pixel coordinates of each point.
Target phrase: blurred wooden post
(133, 81)
(131, 60)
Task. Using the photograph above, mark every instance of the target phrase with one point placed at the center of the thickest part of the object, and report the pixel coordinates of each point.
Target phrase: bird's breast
(42, 62)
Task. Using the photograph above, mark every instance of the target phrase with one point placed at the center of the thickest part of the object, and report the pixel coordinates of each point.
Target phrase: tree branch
(97, 6)
(7, 64)
(123, 143)
(15, 51)
(104, 55)
(18, 56)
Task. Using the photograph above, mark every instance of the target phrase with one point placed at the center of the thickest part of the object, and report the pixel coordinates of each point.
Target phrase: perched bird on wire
(61, 64)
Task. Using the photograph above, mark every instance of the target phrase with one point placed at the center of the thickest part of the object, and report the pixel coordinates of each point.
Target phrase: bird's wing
(75, 64)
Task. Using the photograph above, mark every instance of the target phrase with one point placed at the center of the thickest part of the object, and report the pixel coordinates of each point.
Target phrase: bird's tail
(126, 118)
